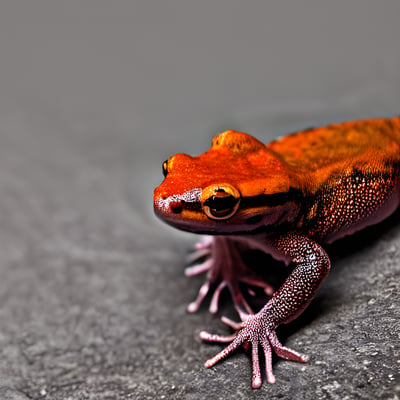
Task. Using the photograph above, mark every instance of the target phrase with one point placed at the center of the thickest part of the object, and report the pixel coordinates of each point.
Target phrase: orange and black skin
(292, 196)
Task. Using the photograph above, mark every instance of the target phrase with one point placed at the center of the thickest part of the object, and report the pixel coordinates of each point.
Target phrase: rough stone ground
(93, 295)
(93, 97)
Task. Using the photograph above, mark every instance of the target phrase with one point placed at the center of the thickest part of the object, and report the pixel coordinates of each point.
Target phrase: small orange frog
(287, 199)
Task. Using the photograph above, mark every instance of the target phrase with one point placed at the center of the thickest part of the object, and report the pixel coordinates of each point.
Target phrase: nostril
(176, 207)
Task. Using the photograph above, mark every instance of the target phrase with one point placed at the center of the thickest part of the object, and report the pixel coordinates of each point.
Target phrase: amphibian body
(288, 199)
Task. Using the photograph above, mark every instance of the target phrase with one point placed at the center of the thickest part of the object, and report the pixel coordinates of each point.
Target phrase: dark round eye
(165, 168)
(220, 202)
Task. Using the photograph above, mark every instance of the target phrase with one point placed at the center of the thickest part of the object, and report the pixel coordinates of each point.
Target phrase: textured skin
(349, 201)
(318, 154)
(287, 199)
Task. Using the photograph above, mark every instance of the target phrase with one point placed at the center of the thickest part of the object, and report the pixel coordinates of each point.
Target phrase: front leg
(225, 269)
(311, 267)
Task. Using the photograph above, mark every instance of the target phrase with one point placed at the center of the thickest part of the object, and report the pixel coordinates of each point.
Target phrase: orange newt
(288, 199)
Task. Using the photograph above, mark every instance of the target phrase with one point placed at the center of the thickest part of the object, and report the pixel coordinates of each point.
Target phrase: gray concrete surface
(94, 95)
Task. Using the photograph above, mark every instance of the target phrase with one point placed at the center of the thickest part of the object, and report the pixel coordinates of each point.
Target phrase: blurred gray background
(94, 95)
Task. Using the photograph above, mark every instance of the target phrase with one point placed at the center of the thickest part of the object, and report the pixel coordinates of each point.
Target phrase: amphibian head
(236, 186)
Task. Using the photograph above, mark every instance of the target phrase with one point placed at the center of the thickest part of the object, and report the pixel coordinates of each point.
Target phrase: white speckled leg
(312, 266)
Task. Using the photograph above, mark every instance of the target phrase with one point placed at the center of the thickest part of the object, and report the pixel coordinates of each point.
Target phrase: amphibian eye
(220, 202)
(165, 168)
